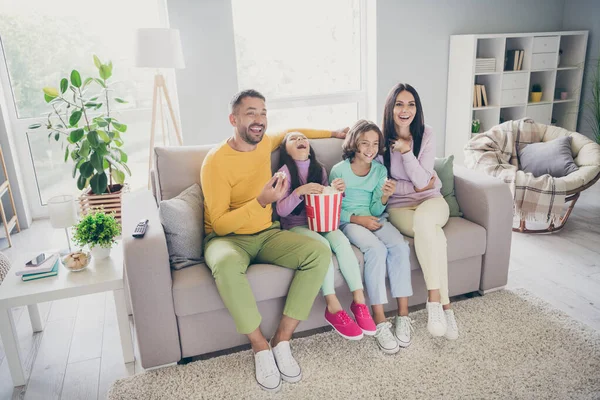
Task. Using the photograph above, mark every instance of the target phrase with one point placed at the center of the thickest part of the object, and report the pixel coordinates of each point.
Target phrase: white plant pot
(99, 252)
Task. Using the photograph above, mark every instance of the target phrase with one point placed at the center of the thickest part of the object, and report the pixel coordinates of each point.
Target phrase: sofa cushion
(182, 218)
(194, 289)
(177, 168)
(553, 158)
(444, 168)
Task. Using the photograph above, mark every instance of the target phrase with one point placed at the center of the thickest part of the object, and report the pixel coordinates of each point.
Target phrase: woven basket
(107, 202)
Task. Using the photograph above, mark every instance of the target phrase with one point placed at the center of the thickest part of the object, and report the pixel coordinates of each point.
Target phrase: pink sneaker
(363, 318)
(344, 325)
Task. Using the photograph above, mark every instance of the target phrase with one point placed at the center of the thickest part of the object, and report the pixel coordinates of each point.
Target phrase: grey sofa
(179, 314)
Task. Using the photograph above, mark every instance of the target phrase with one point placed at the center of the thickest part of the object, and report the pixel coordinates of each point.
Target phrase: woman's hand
(370, 222)
(338, 184)
(309, 188)
(430, 185)
(401, 145)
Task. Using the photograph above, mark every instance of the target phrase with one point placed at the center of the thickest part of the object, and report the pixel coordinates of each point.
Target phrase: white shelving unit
(555, 60)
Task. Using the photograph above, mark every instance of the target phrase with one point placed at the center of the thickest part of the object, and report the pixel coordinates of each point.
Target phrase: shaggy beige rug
(512, 346)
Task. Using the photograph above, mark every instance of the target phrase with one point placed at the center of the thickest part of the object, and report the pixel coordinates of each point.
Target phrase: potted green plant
(98, 231)
(475, 126)
(593, 105)
(536, 93)
(91, 136)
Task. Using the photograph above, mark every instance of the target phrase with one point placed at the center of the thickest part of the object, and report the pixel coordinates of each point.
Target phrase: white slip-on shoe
(452, 330)
(287, 364)
(385, 339)
(267, 374)
(403, 330)
(436, 320)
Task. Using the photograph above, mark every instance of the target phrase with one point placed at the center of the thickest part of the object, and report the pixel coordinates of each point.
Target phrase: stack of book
(48, 267)
(514, 60)
(483, 65)
(479, 96)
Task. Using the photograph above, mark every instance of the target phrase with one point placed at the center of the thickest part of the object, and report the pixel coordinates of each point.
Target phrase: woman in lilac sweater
(305, 175)
(417, 208)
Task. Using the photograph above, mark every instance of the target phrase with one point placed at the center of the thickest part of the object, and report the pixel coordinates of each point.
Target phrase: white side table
(100, 276)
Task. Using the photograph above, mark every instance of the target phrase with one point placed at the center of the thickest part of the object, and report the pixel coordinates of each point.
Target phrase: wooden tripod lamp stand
(160, 48)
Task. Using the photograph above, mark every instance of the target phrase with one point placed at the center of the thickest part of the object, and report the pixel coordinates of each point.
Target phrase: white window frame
(364, 97)
(17, 128)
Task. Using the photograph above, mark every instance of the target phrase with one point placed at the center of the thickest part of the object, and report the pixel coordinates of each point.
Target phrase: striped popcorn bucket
(323, 211)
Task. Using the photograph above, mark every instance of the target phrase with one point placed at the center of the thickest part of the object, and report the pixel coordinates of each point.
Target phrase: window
(308, 66)
(41, 42)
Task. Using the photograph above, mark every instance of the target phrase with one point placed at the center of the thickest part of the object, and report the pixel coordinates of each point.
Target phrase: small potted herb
(97, 230)
(536, 93)
(475, 126)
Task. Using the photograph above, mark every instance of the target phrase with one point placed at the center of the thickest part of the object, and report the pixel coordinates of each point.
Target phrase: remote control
(140, 229)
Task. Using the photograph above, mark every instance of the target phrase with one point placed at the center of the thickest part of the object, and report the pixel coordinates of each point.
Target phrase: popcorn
(280, 175)
(330, 190)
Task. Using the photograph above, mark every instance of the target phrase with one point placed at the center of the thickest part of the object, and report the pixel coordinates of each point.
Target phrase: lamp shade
(62, 211)
(158, 48)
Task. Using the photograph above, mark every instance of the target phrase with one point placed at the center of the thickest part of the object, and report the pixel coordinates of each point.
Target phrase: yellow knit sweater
(232, 180)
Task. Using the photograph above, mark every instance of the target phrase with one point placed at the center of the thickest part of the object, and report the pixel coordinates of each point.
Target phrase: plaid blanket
(496, 152)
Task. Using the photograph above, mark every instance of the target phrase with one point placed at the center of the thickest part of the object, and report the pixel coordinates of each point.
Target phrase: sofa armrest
(150, 284)
(487, 201)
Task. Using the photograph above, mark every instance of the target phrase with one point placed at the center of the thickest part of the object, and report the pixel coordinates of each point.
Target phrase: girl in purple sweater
(417, 208)
(305, 175)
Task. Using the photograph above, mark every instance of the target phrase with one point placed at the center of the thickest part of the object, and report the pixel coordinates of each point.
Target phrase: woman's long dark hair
(417, 127)
(315, 170)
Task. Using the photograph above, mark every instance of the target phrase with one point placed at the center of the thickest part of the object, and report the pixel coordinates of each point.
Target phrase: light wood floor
(78, 355)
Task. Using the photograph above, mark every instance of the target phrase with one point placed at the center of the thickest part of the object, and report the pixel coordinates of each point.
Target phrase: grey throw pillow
(554, 158)
(183, 220)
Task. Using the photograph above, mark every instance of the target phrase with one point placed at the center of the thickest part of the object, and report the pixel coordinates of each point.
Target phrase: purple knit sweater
(288, 203)
(410, 171)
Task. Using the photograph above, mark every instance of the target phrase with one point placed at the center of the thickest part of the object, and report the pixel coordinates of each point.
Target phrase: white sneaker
(436, 320)
(402, 331)
(287, 364)
(385, 339)
(452, 330)
(267, 374)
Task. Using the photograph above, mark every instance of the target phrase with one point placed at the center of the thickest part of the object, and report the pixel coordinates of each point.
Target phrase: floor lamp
(159, 48)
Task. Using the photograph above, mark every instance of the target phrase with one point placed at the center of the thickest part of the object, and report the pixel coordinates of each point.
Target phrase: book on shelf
(514, 60)
(479, 96)
(45, 266)
(483, 65)
(484, 96)
(52, 272)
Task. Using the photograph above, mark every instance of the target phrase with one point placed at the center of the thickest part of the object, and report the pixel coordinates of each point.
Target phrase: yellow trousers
(424, 223)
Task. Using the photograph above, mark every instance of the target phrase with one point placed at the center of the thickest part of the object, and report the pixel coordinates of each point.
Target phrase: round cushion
(586, 154)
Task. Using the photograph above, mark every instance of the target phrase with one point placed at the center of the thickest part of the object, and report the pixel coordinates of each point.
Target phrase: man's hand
(270, 194)
(309, 188)
(401, 145)
(338, 184)
(370, 222)
(429, 185)
(389, 187)
(340, 133)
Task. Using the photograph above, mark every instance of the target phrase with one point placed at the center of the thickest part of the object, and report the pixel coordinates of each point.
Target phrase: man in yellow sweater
(238, 192)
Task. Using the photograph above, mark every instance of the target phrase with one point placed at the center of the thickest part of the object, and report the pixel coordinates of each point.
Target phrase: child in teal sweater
(365, 225)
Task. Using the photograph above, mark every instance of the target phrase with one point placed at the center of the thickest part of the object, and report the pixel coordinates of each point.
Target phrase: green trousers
(228, 257)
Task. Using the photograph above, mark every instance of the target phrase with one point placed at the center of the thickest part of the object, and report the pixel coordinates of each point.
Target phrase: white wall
(585, 15)
(209, 80)
(413, 42)
(412, 46)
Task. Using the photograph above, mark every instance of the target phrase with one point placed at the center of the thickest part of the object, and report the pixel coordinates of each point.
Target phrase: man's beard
(247, 138)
